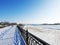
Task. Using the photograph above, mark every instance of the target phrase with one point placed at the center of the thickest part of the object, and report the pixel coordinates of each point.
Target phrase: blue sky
(30, 11)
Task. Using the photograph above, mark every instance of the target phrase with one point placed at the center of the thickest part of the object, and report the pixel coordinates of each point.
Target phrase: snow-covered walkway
(11, 36)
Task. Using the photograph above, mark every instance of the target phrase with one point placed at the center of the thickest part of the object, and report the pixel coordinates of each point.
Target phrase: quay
(14, 35)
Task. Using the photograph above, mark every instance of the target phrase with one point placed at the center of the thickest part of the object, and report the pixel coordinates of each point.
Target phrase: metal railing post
(27, 37)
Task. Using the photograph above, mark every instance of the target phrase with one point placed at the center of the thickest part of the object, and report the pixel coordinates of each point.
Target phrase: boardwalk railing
(31, 39)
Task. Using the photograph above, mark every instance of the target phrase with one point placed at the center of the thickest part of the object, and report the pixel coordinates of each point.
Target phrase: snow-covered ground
(10, 36)
(50, 36)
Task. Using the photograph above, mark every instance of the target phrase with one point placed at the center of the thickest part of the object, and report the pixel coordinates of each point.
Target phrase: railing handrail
(28, 34)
